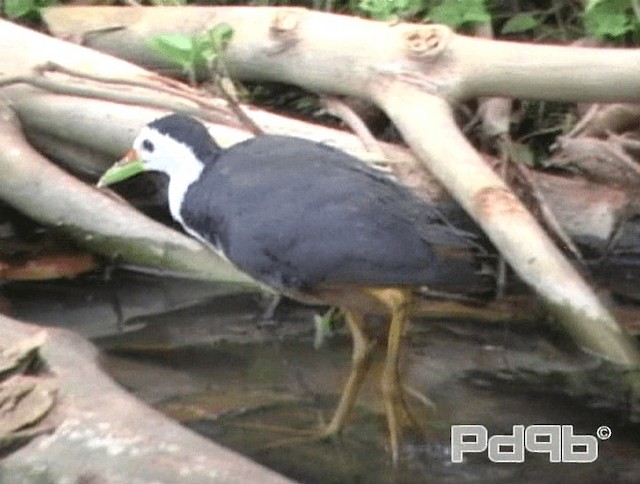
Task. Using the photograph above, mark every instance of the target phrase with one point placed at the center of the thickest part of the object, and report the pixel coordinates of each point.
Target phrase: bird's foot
(308, 436)
(399, 414)
(420, 398)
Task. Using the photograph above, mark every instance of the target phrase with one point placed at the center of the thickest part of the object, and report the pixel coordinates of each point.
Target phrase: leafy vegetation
(519, 23)
(25, 8)
(459, 13)
(604, 19)
(450, 12)
(194, 53)
(611, 18)
(385, 10)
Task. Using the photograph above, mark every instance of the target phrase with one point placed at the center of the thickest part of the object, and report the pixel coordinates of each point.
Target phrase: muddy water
(202, 354)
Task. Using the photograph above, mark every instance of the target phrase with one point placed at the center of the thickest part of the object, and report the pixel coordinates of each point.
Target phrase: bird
(315, 224)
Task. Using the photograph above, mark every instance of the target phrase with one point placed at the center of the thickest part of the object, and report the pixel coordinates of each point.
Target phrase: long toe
(397, 413)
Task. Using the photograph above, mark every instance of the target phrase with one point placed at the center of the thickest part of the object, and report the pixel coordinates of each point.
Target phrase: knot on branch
(494, 201)
(284, 22)
(427, 41)
(282, 30)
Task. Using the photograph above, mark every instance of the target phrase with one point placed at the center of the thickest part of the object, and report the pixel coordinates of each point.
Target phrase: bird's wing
(297, 214)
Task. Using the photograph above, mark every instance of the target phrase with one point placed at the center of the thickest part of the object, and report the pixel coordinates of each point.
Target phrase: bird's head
(173, 145)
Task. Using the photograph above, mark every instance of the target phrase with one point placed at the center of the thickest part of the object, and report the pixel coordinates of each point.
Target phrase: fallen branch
(75, 207)
(507, 222)
(100, 432)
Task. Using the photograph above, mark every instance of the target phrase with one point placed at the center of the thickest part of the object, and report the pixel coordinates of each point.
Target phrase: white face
(160, 152)
(163, 153)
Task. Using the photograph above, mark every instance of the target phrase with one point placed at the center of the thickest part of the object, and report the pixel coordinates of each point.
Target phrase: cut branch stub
(493, 199)
(428, 41)
(284, 22)
(283, 31)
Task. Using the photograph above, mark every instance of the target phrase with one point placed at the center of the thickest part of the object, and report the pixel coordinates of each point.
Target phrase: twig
(89, 92)
(161, 84)
(581, 125)
(626, 142)
(339, 109)
(423, 399)
(495, 117)
(501, 269)
(618, 152)
(233, 104)
(175, 87)
(539, 132)
(428, 292)
(547, 214)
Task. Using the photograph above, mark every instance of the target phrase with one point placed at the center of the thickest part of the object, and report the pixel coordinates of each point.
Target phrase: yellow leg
(361, 361)
(398, 301)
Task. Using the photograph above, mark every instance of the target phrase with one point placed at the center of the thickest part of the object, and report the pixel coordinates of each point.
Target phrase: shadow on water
(199, 353)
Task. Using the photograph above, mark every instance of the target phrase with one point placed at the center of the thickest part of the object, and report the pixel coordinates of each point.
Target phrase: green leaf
(208, 55)
(174, 41)
(174, 48)
(459, 12)
(378, 9)
(213, 42)
(19, 8)
(593, 3)
(387, 9)
(220, 36)
(610, 18)
(520, 23)
(194, 52)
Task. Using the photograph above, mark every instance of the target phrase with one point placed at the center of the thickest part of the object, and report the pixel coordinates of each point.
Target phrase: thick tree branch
(291, 45)
(505, 220)
(77, 208)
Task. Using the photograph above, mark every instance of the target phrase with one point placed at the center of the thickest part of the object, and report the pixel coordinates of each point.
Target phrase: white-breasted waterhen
(313, 223)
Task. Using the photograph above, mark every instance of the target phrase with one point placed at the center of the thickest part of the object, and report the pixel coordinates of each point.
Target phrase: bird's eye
(148, 146)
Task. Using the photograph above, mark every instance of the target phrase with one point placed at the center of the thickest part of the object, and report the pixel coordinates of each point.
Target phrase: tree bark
(292, 45)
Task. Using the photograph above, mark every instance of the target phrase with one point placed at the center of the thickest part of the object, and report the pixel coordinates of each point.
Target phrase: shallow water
(201, 354)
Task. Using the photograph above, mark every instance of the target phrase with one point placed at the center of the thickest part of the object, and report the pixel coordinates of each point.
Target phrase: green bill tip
(127, 167)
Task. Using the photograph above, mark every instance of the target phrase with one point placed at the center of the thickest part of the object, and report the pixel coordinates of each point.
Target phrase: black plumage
(188, 131)
(297, 215)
